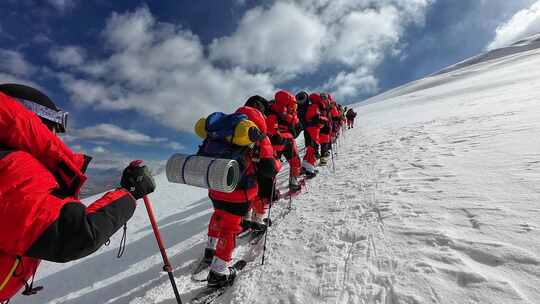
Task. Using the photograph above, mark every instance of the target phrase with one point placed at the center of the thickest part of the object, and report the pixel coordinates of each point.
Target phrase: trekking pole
(167, 265)
(269, 220)
(333, 163)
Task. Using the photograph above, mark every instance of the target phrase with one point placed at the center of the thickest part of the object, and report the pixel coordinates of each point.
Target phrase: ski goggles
(59, 118)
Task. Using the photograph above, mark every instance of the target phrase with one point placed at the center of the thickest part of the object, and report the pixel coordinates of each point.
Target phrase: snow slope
(435, 199)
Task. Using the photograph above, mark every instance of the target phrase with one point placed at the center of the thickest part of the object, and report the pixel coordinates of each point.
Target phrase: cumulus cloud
(299, 36)
(161, 71)
(14, 68)
(12, 62)
(67, 56)
(524, 23)
(363, 37)
(346, 85)
(164, 71)
(103, 134)
(115, 133)
(283, 37)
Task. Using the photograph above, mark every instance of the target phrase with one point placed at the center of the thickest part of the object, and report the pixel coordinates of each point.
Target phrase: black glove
(276, 140)
(325, 129)
(137, 179)
(255, 135)
(316, 119)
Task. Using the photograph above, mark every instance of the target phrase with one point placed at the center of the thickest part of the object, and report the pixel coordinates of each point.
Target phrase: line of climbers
(258, 148)
(41, 177)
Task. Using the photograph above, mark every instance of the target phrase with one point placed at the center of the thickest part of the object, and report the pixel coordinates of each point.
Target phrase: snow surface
(435, 198)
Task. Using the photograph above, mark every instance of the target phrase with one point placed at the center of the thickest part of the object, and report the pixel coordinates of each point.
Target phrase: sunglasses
(59, 118)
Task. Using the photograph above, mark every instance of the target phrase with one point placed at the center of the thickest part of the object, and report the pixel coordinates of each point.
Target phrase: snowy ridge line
(521, 50)
(524, 45)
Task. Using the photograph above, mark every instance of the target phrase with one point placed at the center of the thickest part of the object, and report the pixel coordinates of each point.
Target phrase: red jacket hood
(22, 130)
(254, 115)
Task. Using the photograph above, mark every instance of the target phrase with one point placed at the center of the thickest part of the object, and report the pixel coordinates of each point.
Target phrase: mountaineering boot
(305, 171)
(257, 230)
(208, 255)
(294, 185)
(309, 173)
(245, 224)
(218, 279)
(323, 161)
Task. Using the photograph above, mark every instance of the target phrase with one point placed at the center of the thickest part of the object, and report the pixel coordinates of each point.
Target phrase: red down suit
(230, 207)
(41, 215)
(282, 123)
(315, 121)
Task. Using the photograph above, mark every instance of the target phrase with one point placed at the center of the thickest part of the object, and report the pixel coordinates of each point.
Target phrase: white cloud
(67, 56)
(9, 78)
(13, 62)
(41, 38)
(283, 38)
(347, 85)
(160, 71)
(175, 145)
(164, 71)
(14, 68)
(86, 91)
(524, 23)
(115, 133)
(299, 36)
(103, 134)
(365, 37)
(99, 150)
(62, 5)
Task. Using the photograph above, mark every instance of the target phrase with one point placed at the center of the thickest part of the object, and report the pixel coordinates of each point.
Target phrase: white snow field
(435, 198)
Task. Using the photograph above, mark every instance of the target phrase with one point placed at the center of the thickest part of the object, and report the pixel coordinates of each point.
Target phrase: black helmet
(38, 103)
(258, 102)
(302, 97)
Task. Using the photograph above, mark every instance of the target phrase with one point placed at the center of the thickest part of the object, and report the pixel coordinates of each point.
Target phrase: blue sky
(136, 75)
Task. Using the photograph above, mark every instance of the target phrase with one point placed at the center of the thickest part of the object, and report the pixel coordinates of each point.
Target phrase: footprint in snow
(524, 228)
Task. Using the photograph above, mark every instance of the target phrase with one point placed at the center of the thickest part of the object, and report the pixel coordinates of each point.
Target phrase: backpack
(302, 100)
(220, 134)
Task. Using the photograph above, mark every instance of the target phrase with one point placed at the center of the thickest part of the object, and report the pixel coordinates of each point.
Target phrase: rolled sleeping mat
(205, 172)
